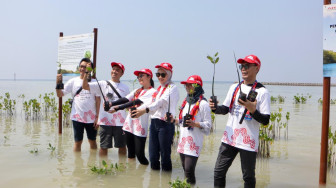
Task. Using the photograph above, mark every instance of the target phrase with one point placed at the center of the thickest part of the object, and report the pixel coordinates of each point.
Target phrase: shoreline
(295, 84)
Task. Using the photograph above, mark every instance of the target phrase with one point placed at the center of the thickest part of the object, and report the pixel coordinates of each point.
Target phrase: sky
(286, 36)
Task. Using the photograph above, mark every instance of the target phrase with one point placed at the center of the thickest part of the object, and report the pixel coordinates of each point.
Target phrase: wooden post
(325, 126)
(60, 107)
(95, 31)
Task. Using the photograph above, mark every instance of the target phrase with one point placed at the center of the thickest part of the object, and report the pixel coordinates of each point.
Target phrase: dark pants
(189, 165)
(79, 127)
(136, 147)
(160, 140)
(225, 158)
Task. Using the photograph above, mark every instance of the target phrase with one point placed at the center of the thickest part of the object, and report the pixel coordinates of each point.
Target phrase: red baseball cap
(146, 71)
(194, 79)
(250, 59)
(166, 66)
(119, 65)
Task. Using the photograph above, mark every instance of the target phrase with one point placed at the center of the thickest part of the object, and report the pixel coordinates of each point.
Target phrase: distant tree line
(329, 56)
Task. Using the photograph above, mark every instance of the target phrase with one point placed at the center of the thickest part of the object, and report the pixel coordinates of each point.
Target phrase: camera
(185, 118)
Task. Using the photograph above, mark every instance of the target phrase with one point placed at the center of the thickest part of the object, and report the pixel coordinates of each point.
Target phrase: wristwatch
(147, 110)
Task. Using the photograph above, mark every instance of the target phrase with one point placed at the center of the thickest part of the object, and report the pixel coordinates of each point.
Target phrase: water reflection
(263, 173)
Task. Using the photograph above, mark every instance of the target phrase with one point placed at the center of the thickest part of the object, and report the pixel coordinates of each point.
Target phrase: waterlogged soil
(293, 162)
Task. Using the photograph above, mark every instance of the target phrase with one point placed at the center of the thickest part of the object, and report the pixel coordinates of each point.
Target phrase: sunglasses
(83, 66)
(163, 75)
(245, 66)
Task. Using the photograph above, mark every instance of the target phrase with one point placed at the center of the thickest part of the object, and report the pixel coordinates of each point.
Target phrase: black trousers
(136, 147)
(225, 158)
(189, 165)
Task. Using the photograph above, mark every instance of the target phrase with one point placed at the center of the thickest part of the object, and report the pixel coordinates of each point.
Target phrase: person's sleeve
(262, 114)
(120, 101)
(129, 104)
(222, 110)
(205, 118)
(68, 87)
(94, 88)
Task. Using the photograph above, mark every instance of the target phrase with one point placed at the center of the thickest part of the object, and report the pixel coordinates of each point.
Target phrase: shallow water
(293, 162)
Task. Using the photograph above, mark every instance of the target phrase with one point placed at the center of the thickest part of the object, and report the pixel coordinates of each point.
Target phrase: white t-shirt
(245, 135)
(139, 126)
(84, 104)
(159, 107)
(191, 141)
(105, 118)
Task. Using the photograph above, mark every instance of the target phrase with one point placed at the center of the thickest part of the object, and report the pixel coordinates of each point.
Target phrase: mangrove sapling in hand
(106, 103)
(214, 60)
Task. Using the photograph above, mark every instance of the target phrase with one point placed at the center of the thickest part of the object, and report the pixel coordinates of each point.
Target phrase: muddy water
(293, 162)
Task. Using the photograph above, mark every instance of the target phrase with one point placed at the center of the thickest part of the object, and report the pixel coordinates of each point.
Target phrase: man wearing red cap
(111, 124)
(241, 134)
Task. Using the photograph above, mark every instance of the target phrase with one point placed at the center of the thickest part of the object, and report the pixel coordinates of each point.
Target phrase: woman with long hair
(136, 128)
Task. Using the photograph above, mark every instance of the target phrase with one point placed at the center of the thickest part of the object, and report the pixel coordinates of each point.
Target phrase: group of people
(105, 103)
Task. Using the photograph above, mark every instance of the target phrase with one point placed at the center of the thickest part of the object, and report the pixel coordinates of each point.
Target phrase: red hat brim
(136, 73)
(167, 68)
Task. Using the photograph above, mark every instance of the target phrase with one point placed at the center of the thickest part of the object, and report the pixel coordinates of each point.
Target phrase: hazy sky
(286, 35)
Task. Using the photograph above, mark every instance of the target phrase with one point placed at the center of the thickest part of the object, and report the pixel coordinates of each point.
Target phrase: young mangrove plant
(269, 133)
(51, 148)
(66, 112)
(331, 149)
(106, 169)
(214, 60)
(274, 99)
(34, 151)
(9, 105)
(177, 183)
(281, 99)
(301, 98)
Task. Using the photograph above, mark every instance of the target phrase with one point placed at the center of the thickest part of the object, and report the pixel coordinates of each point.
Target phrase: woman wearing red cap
(136, 128)
(192, 130)
(161, 132)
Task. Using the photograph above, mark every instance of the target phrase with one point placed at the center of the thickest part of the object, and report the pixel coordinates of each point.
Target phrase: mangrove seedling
(214, 60)
(33, 151)
(51, 148)
(179, 183)
(107, 169)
